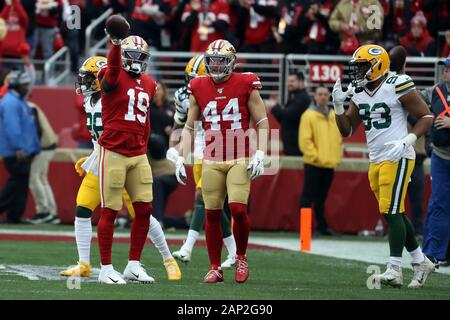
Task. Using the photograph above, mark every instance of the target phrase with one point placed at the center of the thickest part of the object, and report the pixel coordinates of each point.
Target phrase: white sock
(190, 240)
(156, 234)
(396, 262)
(417, 255)
(133, 263)
(83, 236)
(107, 267)
(230, 244)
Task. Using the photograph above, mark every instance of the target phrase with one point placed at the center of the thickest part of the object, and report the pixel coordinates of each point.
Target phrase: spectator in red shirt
(3, 31)
(318, 36)
(207, 21)
(147, 19)
(17, 23)
(446, 50)
(437, 13)
(288, 33)
(47, 15)
(117, 5)
(418, 41)
(259, 17)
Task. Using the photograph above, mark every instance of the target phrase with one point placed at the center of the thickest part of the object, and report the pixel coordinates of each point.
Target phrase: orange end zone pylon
(305, 229)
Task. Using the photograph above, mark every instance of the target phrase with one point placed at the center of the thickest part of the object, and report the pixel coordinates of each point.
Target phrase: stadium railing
(168, 67)
(325, 69)
(57, 67)
(91, 28)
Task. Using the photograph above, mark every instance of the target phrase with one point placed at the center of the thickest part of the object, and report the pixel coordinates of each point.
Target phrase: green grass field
(274, 274)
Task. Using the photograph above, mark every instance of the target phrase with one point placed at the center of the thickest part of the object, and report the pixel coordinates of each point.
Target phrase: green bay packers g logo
(100, 63)
(375, 51)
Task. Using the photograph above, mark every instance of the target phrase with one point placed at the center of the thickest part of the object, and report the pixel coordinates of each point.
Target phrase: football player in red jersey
(225, 101)
(126, 94)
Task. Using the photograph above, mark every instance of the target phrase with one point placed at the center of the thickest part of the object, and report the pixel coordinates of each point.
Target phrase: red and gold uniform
(126, 96)
(225, 114)
(225, 101)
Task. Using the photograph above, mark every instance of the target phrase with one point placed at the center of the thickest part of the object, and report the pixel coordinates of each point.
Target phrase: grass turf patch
(273, 275)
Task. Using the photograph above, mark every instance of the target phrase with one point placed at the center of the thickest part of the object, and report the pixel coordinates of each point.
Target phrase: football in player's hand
(117, 27)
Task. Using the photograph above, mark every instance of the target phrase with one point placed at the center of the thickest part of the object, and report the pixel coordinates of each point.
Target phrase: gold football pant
(389, 182)
(89, 194)
(220, 178)
(117, 171)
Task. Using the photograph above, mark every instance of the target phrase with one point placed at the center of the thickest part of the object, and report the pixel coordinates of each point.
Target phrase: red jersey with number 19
(126, 124)
(225, 114)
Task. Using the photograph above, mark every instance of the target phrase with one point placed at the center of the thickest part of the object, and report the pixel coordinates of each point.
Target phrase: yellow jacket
(320, 139)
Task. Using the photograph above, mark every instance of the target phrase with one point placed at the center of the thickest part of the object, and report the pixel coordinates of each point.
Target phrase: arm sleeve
(11, 124)
(404, 85)
(110, 76)
(181, 107)
(253, 82)
(305, 137)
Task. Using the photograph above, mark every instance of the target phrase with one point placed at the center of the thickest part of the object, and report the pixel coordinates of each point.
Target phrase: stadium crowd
(36, 29)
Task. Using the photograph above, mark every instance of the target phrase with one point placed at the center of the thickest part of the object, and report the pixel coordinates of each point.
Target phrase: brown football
(117, 26)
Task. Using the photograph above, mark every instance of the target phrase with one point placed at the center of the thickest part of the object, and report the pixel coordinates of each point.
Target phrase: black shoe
(445, 264)
(434, 260)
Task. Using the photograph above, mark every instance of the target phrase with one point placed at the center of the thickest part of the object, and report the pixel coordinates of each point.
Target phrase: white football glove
(256, 166)
(172, 155)
(339, 96)
(399, 147)
(180, 171)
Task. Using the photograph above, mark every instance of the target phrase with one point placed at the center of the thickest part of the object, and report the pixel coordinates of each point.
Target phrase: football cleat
(213, 276)
(82, 269)
(137, 274)
(392, 277)
(241, 269)
(229, 263)
(110, 276)
(182, 255)
(421, 272)
(173, 271)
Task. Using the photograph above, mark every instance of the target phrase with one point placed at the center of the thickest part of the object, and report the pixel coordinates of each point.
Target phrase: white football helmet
(220, 59)
(135, 54)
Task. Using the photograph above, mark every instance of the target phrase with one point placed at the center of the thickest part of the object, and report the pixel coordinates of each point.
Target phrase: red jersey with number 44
(225, 114)
(126, 125)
